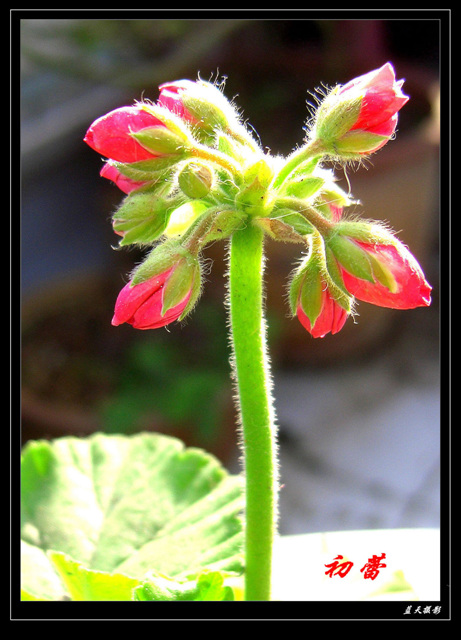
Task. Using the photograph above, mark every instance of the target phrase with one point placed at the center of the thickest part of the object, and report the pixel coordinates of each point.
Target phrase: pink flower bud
(110, 135)
(198, 103)
(382, 98)
(141, 304)
(170, 97)
(399, 281)
(331, 318)
(360, 117)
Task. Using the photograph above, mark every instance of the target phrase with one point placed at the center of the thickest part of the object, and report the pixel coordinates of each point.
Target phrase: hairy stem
(313, 149)
(255, 404)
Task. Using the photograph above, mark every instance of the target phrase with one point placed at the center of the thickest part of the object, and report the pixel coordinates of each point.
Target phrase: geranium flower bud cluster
(192, 173)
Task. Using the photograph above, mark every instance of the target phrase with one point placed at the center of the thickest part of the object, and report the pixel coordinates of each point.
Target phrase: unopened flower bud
(377, 268)
(195, 180)
(111, 134)
(203, 102)
(315, 306)
(361, 116)
(317, 295)
(142, 218)
(164, 288)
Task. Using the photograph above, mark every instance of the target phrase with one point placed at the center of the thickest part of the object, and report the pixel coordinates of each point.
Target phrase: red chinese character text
(371, 568)
(341, 568)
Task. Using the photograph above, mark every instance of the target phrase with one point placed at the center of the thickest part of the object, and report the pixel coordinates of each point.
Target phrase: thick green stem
(257, 415)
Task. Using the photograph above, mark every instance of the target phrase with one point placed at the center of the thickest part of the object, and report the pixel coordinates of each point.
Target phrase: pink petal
(123, 183)
(131, 297)
(331, 319)
(110, 134)
(170, 97)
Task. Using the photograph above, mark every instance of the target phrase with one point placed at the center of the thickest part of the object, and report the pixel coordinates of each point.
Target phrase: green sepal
(195, 293)
(182, 280)
(145, 170)
(161, 258)
(336, 116)
(160, 140)
(209, 116)
(223, 225)
(383, 275)
(363, 231)
(357, 142)
(335, 281)
(304, 186)
(351, 256)
(311, 298)
(142, 218)
(296, 280)
(228, 145)
(171, 121)
(372, 233)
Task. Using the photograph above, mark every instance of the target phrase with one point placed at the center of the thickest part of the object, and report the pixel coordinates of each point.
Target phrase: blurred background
(358, 412)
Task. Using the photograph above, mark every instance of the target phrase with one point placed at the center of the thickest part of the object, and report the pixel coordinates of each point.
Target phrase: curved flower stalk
(193, 174)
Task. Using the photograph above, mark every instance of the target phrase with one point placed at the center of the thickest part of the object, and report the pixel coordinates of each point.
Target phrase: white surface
(299, 566)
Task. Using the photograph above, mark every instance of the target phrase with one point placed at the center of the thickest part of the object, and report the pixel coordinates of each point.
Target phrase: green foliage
(104, 515)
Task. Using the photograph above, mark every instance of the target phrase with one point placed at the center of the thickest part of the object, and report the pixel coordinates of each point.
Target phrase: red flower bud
(110, 134)
(399, 281)
(331, 318)
(141, 304)
(382, 99)
(170, 97)
(198, 103)
(360, 117)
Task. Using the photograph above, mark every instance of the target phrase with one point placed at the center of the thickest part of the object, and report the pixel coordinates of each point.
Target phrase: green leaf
(125, 505)
(208, 586)
(85, 584)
